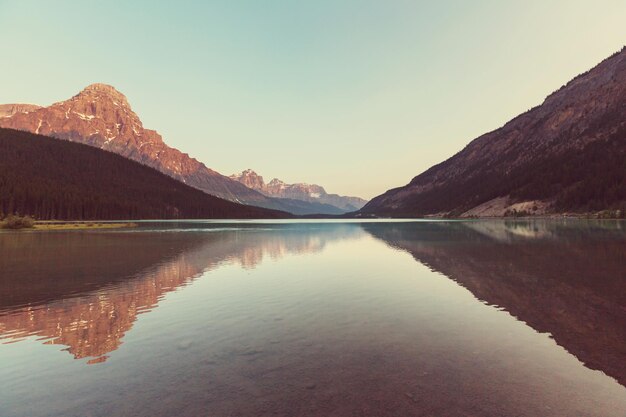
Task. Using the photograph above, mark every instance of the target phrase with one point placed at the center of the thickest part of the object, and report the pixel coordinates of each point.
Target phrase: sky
(358, 96)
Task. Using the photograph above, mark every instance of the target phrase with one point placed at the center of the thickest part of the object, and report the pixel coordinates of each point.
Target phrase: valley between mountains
(101, 117)
(567, 155)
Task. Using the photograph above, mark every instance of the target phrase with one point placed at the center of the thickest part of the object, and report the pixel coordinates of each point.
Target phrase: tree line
(54, 179)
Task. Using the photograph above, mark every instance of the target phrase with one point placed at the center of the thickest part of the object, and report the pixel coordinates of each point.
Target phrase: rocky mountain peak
(311, 193)
(104, 91)
(99, 114)
(276, 182)
(250, 179)
(104, 102)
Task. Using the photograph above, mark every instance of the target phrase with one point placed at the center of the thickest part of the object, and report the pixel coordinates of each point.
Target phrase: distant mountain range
(566, 155)
(304, 192)
(100, 116)
(54, 179)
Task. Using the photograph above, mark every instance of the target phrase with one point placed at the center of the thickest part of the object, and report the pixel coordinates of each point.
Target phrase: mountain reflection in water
(64, 297)
(316, 318)
(566, 281)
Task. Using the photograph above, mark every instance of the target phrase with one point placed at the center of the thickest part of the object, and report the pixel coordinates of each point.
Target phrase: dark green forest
(586, 179)
(54, 179)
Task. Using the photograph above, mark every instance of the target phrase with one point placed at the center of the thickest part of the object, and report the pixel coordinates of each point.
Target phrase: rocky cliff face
(8, 110)
(565, 155)
(101, 116)
(304, 192)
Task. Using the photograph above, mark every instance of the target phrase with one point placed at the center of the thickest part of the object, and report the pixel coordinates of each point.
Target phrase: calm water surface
(483, 318)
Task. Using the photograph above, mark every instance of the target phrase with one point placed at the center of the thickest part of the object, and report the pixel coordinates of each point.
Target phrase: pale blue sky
(358, 96)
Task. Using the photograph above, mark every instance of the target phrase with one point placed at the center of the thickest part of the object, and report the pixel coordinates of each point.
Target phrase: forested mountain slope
(54, 179)
(566, 155)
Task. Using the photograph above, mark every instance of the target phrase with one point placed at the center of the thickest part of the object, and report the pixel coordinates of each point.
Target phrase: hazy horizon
(358, 97)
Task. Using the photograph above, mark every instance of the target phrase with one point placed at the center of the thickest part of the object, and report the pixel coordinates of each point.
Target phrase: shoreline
(80, 225)
(68, 225)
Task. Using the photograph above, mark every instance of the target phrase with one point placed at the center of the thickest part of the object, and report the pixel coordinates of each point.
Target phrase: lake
(315, 318)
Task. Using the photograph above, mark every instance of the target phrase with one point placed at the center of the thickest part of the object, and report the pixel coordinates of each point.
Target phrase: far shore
(80, 225)
(52, 225)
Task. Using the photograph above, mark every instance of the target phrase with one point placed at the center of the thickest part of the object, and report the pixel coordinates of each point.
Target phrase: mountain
(304, 208)
(562, 281)
(100, 116)
(53, 179)
(566, 155)
(304, 192)
(8, 110)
